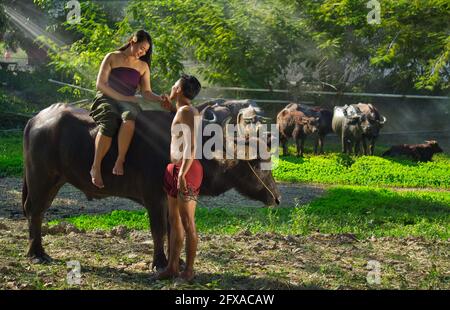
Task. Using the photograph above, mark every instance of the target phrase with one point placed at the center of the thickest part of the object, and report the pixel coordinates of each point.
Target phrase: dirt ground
(71, 202)
(243, 261)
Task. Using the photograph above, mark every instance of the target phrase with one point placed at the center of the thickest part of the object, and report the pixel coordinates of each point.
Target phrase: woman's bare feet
(96, 177)
(187, 275)
(118, 167)
(167, 274)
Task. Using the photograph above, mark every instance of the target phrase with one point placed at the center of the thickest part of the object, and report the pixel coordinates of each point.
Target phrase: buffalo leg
(157, 210)
(372, 146)
(302, 144)
(320, 141)
(297, 143)
(284, 141)
(343, 143)
(357, 149)
(364, 145)
(296, 134)
(39, 197)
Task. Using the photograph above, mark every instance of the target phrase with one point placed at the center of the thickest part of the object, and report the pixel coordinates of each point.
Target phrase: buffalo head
(248, 170)
(434, 146)
(310, 124)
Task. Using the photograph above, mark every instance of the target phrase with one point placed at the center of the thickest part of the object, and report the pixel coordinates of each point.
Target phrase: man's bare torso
(185, 116)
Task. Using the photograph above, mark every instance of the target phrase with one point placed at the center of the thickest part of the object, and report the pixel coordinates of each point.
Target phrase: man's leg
(175, 241)
(125, 135)
(102, 145)
(187, 212)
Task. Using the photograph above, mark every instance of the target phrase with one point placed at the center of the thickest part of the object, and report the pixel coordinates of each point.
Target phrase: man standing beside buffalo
(182, 179)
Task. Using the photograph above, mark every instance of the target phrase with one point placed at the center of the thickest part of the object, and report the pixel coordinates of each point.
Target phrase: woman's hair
(138, 37)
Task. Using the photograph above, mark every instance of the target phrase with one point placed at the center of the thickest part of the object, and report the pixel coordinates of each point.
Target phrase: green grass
(362, 211)
(338, 168)
(11, 161)
(332, 168)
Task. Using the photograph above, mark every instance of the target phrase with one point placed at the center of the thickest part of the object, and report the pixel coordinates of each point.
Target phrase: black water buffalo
(295, 124)
(246, 114)
(325, 122)
(375, 121)
(324, 117)
(419, 152)
(59, 149)
(349, 124)
(220, 111)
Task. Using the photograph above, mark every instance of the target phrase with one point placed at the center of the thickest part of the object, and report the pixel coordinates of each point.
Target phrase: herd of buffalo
(59, 148)
(357, 127)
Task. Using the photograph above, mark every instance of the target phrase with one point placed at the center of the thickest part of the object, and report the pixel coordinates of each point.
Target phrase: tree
(232, 43)
(409, 49)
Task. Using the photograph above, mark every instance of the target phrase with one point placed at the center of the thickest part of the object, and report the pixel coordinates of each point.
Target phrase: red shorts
(194, 179)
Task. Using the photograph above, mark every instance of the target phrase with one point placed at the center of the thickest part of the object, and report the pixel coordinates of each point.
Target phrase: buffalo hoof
(182, 264)
(159, 264)
(40, 259)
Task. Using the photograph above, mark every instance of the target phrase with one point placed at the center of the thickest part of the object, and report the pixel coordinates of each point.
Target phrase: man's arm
(186, 117)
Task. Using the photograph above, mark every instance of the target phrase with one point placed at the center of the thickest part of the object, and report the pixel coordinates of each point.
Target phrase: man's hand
(166, 104)
(181, 184)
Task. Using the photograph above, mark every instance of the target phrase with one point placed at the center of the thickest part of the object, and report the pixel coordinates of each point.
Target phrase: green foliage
(11, 162)
(233, 43)
(362, 211)
(31, 90)
(365, 170)
(411, 42)
(259, 43)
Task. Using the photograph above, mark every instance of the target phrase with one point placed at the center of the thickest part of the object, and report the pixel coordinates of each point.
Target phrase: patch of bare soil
(112, 260)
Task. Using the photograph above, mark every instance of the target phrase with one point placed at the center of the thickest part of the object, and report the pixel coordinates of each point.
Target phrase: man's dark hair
(190, 86)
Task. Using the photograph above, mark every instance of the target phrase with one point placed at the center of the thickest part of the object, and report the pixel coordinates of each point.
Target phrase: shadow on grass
(379, 211)
(402, 160)
(202, 280)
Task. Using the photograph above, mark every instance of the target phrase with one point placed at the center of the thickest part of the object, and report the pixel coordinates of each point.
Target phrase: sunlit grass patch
(335, 168)
(361, 211)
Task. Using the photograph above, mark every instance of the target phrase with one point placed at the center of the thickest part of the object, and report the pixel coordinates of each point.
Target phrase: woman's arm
(102, 82)
(148, 94)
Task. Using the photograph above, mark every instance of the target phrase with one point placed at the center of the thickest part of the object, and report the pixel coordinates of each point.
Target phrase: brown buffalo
(295, 124)
(325, 119)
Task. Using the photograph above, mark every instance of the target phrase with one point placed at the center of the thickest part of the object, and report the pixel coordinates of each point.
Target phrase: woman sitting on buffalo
(116, 106)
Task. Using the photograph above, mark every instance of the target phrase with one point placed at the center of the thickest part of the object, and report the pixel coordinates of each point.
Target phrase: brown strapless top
(124, 80)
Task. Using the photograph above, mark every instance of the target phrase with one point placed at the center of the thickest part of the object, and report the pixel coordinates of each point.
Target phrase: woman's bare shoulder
(113, 56)
(143, 67)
